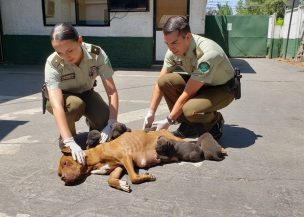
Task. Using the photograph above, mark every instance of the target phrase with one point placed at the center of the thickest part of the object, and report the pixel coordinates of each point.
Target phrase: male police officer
(193, 98)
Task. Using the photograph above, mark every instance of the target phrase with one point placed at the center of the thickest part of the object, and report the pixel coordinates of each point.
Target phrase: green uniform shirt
(77, 79)
(205, 61)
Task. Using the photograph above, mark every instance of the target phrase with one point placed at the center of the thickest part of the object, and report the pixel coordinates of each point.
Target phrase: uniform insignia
(56, 61)
(93, 71)
(203, 67)
(95, 50)
(67, 77)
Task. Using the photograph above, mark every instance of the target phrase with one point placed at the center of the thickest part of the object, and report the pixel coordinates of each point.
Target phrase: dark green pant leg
(204, 106)
(74, 108)
(97, 111)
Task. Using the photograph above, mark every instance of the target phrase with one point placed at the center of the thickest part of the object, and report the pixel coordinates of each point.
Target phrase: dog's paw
(124, 186)
(151, 177)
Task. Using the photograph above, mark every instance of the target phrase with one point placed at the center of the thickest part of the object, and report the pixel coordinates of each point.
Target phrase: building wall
(30, 21)
(295, 32)
(274, 40)
(128, 40)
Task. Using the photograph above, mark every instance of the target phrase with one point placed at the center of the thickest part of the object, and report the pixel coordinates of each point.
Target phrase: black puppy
(211, 149)
(206, 148)
(169, 150)
(117, 130)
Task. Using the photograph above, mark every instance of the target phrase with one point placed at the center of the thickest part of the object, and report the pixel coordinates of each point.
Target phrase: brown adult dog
(136, 148)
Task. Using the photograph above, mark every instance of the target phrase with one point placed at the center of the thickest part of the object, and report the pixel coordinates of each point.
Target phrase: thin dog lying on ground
(131, 149)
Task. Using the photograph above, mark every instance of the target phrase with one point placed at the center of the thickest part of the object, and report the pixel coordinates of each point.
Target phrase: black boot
(185, 130)
(217, 130)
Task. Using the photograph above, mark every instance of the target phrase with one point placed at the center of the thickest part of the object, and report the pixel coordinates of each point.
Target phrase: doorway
(164, 9)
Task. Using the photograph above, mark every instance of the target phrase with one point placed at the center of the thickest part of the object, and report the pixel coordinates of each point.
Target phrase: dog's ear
(66, 151)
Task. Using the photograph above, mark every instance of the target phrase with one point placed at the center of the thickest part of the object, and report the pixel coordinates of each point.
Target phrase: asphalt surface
(263, 135)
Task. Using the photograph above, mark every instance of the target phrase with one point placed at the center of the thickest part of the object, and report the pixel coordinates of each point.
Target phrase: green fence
(239, 36)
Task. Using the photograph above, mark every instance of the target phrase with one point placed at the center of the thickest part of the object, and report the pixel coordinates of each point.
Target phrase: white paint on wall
(297, 23)
(197, 16)
(30, 21)
(197, 12)
(274, 31)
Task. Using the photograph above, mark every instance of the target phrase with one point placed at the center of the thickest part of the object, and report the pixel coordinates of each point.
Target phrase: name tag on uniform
(67, 77)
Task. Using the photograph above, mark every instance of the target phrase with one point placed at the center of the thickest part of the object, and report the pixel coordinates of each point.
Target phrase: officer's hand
(149, 119)
(104, 134)
(77, 153)
(162, 124)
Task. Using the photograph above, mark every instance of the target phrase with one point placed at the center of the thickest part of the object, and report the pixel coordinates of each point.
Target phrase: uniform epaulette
(199, 52)
(95, 50)
(56, 61)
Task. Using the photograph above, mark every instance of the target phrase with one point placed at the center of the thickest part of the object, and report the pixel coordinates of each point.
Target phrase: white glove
(162, 124)
(149, 119)
(104, 134)
(77, 153)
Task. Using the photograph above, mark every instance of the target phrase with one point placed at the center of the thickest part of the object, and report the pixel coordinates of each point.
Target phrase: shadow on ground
(8, 126)
(238, 137)
(20, 81)
(243, 65)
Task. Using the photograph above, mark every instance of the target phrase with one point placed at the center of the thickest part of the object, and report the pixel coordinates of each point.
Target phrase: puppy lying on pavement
(206, 148)
(131, 149)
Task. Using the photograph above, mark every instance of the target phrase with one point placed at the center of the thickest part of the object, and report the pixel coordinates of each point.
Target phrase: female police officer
(70, 73)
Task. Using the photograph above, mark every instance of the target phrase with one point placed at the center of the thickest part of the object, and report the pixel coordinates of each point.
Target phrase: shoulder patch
(203, 67)
(56, 61)
(95, 50)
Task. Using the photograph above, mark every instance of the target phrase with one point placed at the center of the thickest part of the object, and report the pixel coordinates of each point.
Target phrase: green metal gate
(239, 36)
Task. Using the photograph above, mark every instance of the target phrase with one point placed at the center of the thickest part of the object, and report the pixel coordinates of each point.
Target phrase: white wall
(24, 17)
(297, 23)
(197, 16)
(274, 31)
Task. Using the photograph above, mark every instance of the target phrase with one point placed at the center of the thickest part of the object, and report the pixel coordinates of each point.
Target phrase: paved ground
(262, 176)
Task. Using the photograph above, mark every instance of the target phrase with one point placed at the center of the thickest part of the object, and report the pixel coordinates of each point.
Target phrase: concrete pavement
(263, 135)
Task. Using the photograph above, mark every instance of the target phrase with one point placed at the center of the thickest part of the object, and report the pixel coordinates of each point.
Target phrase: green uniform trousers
(203, 107)
(88, 104)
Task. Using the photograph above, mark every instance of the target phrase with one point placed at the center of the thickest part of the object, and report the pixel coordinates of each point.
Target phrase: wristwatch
(171, 121)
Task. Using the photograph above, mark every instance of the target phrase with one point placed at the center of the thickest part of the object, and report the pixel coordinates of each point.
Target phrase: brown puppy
(169, 150)
(206, 148)
(211, 149)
